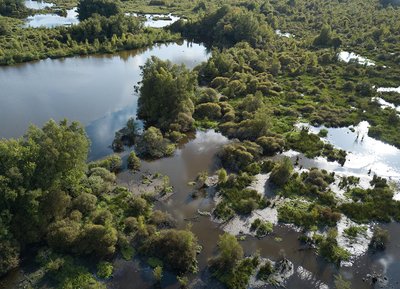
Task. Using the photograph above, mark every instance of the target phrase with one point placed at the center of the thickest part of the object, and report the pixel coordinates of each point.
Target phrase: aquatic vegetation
(262, 228)
(133, 161)
(229, 266)
(152, 144)
(354, 231)
(104, 270)
(379, 239)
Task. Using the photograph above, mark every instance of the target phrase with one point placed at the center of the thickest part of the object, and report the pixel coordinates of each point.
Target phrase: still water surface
(97, 90)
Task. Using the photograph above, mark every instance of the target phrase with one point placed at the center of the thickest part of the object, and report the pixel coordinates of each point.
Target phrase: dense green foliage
(237, 197)
(281, 172)
(229, 266)
(177, 249)
(13, 8)
(165, 96)
(87, 8)
(329, 248)
(50, 197)
(152, 144)
(133, 161)
(227, 26)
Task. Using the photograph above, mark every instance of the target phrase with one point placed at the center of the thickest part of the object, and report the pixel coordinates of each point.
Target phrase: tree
(9, 255)
(158, 273)
(341, 283)
(379, 239)
(133, 161)
(230, 25)
(165, 96)
(176, 248)
(152, 144)
(222, 176)
(97, 239)
(325, 37)
(62, 151)
(86, 8)
(63, 235)
(208, 110)
(281, 172)
(229, 253)
(12, 8)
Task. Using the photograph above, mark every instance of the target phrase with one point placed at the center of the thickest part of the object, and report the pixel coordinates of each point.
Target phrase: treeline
(96, 34)
(103, 28)
(13, 8)
(89, 8)
(226, 26)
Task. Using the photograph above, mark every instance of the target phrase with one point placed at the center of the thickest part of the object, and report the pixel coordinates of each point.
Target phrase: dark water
(98, 91)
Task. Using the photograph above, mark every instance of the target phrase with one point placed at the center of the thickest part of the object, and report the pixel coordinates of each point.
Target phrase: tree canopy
(87, 8)
(166, 93)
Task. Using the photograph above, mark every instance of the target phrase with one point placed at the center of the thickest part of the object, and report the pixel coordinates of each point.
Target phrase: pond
(385, 104)
(351, 56)
(37, 5)
(157, 20)
(52, 20)
(98, 90)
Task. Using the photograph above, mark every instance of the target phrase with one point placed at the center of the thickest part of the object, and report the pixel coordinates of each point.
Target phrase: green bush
(281, 172)
(133, 161)
(104, 270)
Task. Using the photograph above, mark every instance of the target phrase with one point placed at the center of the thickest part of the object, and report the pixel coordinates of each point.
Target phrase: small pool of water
(37, 5)
(156, 20)
(366, 156)
(351, 56)
(389, 89)
(385, 104)
(283, 34)
(53, 20)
